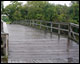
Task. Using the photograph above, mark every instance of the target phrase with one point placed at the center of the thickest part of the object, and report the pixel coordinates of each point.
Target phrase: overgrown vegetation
(41, 10)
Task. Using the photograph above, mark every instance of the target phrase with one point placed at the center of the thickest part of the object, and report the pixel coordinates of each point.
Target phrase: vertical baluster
(33, 23)
(68, 44)
(45, 31)
(30, 22)
(40, 24)
(51, 30)
(69, 35)
(58, 32)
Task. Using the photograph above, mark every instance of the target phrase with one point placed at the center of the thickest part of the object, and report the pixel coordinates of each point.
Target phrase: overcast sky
(55, 2)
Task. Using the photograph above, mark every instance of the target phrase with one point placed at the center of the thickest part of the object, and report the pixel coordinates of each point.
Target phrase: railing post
(68, 43)
(4, 43)
(69, 35)
(45, 32)
(30, 22)
(1, 26)
(27, 22)
(51, 30)
(58, 32)
(33, 22)
(40, 24)
(36, 23)
(46, 27)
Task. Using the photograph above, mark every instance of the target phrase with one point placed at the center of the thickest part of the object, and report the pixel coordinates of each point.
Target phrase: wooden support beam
(51, 30)
(58, 32)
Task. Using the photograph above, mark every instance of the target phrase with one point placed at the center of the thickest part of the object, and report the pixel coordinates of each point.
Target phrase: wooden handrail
(4, 27)
(42, 23)
(5, 40)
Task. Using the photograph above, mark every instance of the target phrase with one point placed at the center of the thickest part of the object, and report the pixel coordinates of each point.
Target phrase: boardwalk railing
(59, 27)
(4, 42)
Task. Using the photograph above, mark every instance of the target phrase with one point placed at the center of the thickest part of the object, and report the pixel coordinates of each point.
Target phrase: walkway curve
(30, 45)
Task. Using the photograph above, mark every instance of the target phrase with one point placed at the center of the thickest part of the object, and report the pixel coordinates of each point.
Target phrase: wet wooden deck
(30, 45)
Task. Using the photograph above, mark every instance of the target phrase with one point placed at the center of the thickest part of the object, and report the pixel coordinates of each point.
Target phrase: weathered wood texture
(4, 42)
(61, 27)
(30, 45)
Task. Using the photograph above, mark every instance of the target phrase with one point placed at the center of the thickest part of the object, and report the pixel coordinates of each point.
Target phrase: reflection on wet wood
(29, 45)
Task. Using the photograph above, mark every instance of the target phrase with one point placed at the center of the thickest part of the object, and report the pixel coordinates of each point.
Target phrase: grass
(4, 59)
(8, 22)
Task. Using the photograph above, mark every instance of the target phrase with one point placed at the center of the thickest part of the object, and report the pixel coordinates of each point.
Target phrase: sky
(55, 2)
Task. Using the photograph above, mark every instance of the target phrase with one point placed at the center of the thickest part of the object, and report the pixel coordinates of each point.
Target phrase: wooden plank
(64, 29)
(62, 23)
(75, 25)
(4, 36)
(5, 29)
(75, 33)
(27, 46)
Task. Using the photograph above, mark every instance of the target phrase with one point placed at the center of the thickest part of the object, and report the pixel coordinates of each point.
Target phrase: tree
(2, 7)
(74, 12)
(43, 10)
(12, 9)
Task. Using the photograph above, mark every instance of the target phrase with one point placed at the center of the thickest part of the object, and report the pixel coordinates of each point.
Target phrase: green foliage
(73, 21)
(5, 18)
(12, 10)
(74, 12)
(43, 10)
(2, 7)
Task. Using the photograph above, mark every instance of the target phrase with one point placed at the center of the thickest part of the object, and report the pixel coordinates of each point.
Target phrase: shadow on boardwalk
(30, 45)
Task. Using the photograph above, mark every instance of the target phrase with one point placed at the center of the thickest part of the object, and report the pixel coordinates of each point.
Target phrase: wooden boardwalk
(30, 45)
